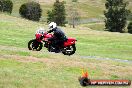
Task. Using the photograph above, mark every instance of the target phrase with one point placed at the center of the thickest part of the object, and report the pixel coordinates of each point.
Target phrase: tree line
(115, 14)
(32, 11)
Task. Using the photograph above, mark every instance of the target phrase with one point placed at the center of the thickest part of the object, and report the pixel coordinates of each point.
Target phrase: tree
(6, 6)
(31, 11)
(129, 16)
(57, 14)
(74, 0)
(130, 27)
(116, 15)
(74, 16)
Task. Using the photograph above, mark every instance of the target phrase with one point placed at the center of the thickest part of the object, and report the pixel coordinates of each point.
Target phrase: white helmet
(52, 25)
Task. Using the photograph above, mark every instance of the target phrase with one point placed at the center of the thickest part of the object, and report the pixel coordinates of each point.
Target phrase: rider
(58, 36)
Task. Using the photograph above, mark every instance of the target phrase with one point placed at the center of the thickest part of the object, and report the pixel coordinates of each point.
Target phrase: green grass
(15, 74)
(104, 44)
(17, 32)
(86, 8)
(32, 75)
(95, 26)
(21, 68)
(41, 75)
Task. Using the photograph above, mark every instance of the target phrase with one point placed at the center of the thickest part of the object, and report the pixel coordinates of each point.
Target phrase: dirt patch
(108, 68)
(27, 59)
(56, 62)
(12, 48)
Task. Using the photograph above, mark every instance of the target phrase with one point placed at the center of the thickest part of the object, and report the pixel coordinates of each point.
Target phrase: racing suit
(58, 37)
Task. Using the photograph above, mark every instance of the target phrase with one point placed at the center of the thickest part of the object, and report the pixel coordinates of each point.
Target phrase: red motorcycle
(68, 48)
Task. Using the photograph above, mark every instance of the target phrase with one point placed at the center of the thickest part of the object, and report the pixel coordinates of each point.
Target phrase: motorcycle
(68, 47)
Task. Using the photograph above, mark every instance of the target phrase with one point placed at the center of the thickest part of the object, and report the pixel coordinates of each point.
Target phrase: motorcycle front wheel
(69, 50)
(34, 45)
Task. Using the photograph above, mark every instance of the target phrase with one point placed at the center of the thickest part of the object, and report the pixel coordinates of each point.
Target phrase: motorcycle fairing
(70, 41)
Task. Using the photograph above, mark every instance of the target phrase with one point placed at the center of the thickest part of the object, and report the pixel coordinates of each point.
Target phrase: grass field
(21, 68)
(86, 8)
(85, 11)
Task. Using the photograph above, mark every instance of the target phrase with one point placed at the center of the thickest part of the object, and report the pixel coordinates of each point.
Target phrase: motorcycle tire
(70, 50)
(34, 45)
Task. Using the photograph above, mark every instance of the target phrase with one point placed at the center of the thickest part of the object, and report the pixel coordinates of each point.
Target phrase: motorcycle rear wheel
(70, 50)
(34, 45)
